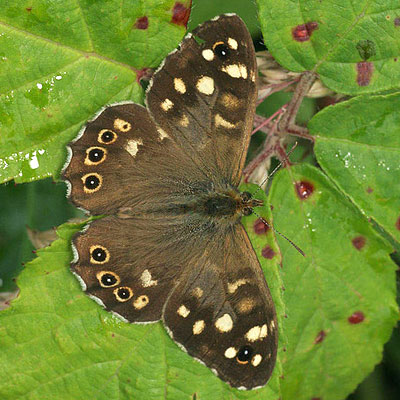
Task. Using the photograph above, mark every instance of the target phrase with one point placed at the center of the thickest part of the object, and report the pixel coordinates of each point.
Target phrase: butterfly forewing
(171, 245)
(204, 95)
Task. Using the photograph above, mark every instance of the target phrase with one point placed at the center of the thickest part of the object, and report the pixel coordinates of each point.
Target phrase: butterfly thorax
(228, 205)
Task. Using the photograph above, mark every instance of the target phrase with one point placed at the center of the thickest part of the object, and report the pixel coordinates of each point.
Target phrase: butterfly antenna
(280, 234)
(277, 167)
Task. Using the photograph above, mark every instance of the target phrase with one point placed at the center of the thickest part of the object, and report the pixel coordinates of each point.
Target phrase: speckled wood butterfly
(171, 245)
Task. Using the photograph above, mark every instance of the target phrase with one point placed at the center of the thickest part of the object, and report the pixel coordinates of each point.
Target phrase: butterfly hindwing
(222, 313)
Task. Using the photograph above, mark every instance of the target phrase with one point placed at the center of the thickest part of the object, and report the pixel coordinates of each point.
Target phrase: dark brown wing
(222, 312)
(122, 160)
(204, 95)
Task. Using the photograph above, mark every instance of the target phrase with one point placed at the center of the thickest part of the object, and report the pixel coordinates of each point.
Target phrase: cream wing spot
(205, 85)
(256, 360)
(208, 54)
(198, 292)
(235, 70)
(183, 311)
(121, 125)
(257, 333)
(167, 104)
(198, 327)
(179, 85)
(246, 305)
(184, 121)
(232, 43)
(132, 146)
(147, 280)
(232, 287)
(230, 101)
(224, 323)
(163, 135)
(140, 302)
(220, 121)
(230, 352)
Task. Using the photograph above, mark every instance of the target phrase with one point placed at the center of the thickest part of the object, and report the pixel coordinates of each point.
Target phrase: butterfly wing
(222, 312)
(122, 160)
(204, 95)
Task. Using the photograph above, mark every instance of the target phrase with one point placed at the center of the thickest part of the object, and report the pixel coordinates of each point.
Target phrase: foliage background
(42, 205)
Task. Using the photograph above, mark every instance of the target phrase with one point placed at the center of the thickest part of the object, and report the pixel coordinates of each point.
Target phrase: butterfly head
(248, 203)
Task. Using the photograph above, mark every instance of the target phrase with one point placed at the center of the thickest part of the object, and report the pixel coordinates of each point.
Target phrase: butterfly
(171, 246)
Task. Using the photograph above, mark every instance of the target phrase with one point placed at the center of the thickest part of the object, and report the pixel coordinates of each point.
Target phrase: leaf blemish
(142, 23)
(356, 317)
(302, 33)
(398, 224)
(358, 242)
(304, 189)
(180, 14)
(364, 72)
(267, 252)
(320, 337)
(260, 227)
(397, 21)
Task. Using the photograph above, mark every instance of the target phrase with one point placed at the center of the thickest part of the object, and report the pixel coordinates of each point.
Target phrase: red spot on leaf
(320, 337)
(302, 33)
(142, 23)
(369, 190)
(181, 13)
(398, 224)
(29, 9)
(358, 242)
(316, 398)
(364, 72)
(304, 189)
(260, 227)
(145, 74)
(267, 252)
(397, 21)
(356, 317)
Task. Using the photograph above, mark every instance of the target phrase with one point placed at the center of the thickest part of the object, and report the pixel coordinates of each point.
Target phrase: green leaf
(357, 143)
(347, 273)
(20, 209)
(330, 38)
(60, 62)
(58, 343)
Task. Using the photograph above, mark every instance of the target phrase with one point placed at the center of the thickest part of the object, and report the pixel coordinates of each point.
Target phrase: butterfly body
(171, 246)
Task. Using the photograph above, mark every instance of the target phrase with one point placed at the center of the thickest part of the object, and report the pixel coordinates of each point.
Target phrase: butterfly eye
(92, 182)
(107, 137)
(221, 50)
(244, 354)
(95, 155)
(99, 254)
(108, 279)
(123, 293)
(246, 196)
